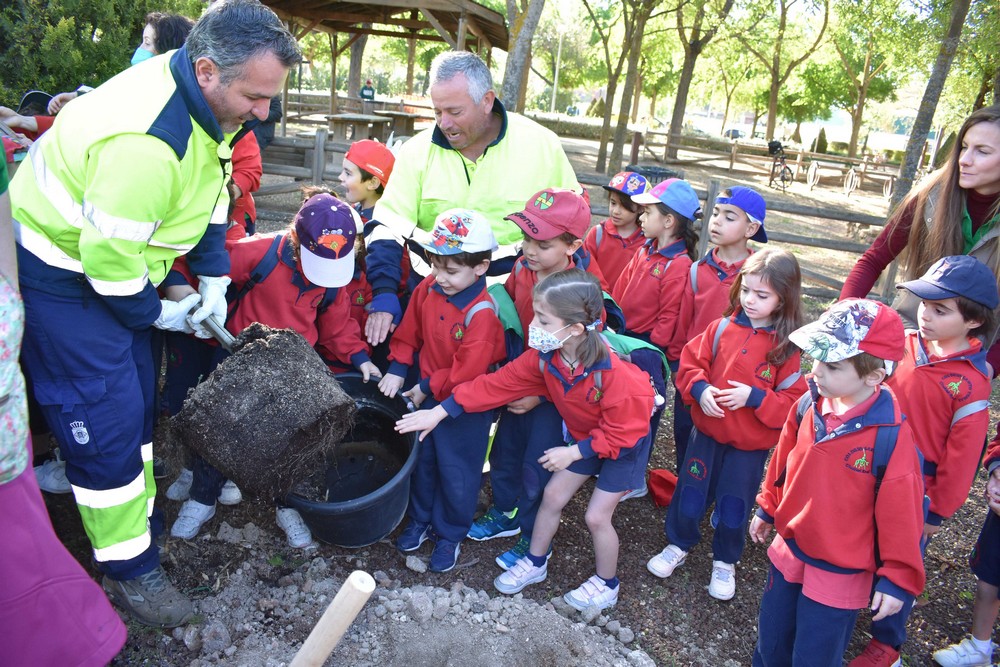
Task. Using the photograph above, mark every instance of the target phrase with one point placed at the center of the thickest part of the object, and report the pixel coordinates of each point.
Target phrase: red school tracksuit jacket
(741, 356)
(946, 403)
(610, 250)
(286, 299)
(521, 281)
(602, 420)
(451, 350)
(649, 293)
(819, 492)
(714, 280)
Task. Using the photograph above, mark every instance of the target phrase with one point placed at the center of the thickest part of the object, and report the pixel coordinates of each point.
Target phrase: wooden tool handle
(334, 622)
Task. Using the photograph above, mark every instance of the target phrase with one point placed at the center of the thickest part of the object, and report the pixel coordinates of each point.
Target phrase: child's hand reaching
(708, 404)
(559, 458)
(885, 604)
(423, 421)
(369, 371)
(523, 405)
(759, 529)
(390, 384)
(734, 398)
(416, 395)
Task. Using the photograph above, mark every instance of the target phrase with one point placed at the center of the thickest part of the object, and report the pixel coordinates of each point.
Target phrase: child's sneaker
(445, 556)
(876, 654)
(494, 524)
(507, 559)
(298, 533)
(415, 534)
(592, 593)
(965, 654)
(51, 477)
(230, 493)
(723, 584)
(151, 598)
(635, 493)
(181, 488)
(522, 574)
(664, 563)
(191, 518)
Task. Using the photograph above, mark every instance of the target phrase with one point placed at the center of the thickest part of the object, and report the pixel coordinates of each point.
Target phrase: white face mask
(545, 341)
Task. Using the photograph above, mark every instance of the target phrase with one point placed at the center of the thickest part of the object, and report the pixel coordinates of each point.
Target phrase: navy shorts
(625, 473)
(985, 557)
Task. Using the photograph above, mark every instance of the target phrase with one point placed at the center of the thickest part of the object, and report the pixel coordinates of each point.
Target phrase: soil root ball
(267, 413)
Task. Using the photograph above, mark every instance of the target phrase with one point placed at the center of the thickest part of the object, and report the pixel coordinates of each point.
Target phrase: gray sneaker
(151, 599)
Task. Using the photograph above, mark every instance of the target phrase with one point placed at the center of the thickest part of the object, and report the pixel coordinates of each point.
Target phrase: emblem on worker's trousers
(80, 433)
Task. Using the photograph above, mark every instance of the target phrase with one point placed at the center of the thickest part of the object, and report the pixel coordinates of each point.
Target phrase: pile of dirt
(267, 413)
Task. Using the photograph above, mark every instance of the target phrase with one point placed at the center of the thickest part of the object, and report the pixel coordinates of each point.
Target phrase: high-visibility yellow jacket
(131, 176)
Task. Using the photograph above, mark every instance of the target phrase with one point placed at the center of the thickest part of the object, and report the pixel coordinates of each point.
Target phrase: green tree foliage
(820, 146)
(57, 45)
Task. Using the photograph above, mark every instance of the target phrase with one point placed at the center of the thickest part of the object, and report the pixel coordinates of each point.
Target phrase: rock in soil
(267, 413)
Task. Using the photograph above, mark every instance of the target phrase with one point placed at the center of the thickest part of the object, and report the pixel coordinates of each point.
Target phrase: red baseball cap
(373, 157)
(850, 327)
(552, 212)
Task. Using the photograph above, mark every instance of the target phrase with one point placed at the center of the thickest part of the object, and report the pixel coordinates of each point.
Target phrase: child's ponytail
(779, 269)
(575, 297)
(685, 229)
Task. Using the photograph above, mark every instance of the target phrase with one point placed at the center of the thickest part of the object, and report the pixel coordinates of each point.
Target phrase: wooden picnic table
(402, 121)
(363, 126)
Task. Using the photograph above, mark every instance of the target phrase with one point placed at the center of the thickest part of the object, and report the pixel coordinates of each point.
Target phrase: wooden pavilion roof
(457, 22)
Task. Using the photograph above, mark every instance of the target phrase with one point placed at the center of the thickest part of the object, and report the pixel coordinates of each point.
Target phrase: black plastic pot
(368, 485)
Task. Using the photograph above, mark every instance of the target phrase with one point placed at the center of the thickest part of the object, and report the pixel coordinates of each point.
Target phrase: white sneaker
(723, 584)
(51, 477)
(592, 593)
(191, 518)
(230, 494)
(964, 654)
(635, 493)
(181, 488)
(299, 535)
(522, 574)
(664, 563)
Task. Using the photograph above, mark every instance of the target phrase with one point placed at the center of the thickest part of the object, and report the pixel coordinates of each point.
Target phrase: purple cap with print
(628, 183)
(327, 229)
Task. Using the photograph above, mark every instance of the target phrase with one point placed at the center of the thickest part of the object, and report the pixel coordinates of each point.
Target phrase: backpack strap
(723, 323)
(694, 276)
(505, 308)
(788, 381)
(598, 235)
(969, 409)
(488, 304)
(258, 274)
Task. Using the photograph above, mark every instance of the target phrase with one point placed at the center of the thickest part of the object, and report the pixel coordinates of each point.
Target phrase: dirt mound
(267, 413)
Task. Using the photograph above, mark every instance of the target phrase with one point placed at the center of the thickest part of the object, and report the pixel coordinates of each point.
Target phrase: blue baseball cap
(957, 275)
(750, 202)
(675, 193)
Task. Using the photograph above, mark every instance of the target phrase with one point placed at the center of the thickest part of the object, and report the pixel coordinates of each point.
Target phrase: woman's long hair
(927, 244)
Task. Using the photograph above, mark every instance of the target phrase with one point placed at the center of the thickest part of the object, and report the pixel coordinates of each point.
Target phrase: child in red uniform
(737, 218)
(613, 242)
(315, 254)
(605, 404)
(943, 385)
(841, 526)
(976, 650)
(364, 175)
(740, 377)
(554, 222)
(452, 323)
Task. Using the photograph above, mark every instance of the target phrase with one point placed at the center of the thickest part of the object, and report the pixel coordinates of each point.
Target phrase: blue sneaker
(494, 524)
(507, 559)
(445, 556)
(413, 536)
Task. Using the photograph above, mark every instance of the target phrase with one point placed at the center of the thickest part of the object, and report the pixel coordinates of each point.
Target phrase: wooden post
(319, 156)
(333, 73)
(636, 142)
(713, 191)
(798, 164)
(335, 621)
(732, 156)
(889, 288)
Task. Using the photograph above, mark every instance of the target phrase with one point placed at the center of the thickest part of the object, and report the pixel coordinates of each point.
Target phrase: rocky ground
(257, 599)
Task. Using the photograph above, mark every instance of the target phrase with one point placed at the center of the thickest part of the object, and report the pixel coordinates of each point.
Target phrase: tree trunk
(635, 98)
(631, 74)
(357, 59)
(680, 101)
(411, 57)
(523, 93)
(522, 31)
(652, 104)
(928, 105)
(609, 100)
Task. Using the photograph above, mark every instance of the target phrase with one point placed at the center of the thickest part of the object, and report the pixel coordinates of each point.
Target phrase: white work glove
(213, 300)
(173, 314)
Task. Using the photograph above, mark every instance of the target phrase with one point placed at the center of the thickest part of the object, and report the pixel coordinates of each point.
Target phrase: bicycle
(780, 171)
